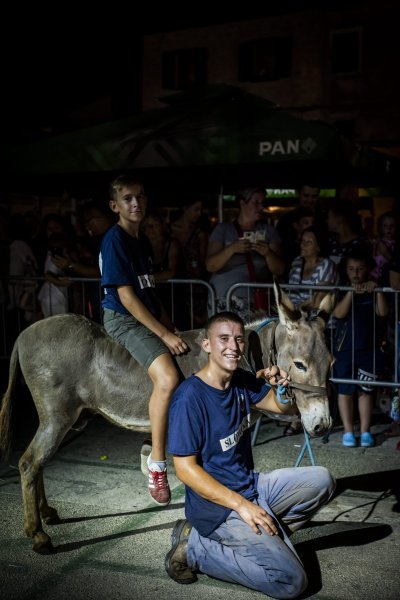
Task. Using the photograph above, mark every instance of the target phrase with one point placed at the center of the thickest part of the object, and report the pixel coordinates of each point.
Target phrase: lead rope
(281, 391)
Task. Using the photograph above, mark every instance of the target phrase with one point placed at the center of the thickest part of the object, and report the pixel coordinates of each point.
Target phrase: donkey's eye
(299, 365)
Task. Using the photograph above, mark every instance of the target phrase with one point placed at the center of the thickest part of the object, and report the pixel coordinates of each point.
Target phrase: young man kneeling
(238, 521)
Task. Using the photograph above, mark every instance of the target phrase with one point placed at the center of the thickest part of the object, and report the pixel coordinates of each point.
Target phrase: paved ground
(112, 542)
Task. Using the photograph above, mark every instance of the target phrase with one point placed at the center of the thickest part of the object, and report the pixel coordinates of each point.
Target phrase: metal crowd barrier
(182, 298)
(186, 299)
(392, 325)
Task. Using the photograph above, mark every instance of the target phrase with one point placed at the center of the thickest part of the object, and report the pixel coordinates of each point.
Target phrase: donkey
(70, 364)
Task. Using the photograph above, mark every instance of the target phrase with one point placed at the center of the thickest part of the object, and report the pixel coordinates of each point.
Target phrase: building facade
(337, 66)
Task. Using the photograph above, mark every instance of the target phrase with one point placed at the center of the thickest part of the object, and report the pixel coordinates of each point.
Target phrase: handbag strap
(250, 265)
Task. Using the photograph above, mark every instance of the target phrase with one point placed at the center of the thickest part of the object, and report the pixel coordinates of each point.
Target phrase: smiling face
(224, 345)
(130, 204)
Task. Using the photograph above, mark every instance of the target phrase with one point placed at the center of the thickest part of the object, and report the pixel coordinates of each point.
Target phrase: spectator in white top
(243, 251)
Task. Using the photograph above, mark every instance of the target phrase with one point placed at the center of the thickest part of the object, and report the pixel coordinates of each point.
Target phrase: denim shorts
(144, 345)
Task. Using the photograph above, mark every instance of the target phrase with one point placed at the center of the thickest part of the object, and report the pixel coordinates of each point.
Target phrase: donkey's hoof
(42, 544)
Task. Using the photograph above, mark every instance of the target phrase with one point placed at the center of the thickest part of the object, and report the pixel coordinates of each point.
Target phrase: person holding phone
(246, 250)
(53, 295)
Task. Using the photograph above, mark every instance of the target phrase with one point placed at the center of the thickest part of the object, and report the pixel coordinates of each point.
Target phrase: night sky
(49, 71)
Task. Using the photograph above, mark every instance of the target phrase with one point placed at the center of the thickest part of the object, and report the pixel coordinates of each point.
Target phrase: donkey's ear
(326, 306)
(288, 315)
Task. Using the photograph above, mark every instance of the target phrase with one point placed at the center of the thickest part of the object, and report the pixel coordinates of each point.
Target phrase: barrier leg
(255, 431)
(306, 446)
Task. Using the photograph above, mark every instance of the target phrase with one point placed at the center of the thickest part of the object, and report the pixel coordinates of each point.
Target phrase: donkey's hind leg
(48, 513)
(45, 443)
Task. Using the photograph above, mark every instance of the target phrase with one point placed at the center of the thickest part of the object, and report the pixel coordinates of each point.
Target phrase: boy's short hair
(122, 181)
(361, 255)
(223, 317)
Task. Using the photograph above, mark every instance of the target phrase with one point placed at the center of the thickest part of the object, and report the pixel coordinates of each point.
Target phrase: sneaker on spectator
(367, 441)
(349, 440)
(176, 560)
(158, 485)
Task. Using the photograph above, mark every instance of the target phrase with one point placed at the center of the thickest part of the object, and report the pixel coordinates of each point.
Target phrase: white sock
(156, 465)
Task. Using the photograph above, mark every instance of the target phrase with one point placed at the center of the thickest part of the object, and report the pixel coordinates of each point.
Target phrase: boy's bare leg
(165, 379)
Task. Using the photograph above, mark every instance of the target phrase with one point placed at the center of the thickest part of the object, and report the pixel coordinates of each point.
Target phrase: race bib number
(146, 281)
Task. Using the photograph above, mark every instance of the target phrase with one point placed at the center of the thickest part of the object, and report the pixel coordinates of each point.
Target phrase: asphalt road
(113, 539)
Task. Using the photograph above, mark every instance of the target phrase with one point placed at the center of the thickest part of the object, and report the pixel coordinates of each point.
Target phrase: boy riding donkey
(134, 317)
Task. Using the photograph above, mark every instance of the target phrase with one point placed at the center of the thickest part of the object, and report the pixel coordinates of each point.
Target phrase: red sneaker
(158, 487)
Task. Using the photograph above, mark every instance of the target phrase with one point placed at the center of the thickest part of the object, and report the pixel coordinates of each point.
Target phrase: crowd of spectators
(312, 244)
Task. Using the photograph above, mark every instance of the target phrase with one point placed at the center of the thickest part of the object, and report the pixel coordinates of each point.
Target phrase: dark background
(56, 60)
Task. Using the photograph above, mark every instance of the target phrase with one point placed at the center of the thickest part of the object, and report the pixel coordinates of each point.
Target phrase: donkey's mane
(306, 310)
(256, 322)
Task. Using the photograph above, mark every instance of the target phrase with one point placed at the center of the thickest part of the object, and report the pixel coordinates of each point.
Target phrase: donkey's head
(302, 351)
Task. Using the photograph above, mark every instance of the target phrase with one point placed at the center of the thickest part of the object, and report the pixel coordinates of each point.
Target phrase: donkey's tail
(5, 412)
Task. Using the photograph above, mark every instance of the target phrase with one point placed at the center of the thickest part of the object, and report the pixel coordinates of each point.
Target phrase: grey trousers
(265, 563)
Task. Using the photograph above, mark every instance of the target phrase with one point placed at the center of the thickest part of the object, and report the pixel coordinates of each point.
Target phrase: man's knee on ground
(326, 481)
(296, 582)
(298, 585)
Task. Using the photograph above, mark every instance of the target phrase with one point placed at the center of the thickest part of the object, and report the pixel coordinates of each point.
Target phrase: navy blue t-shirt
(213, 425)
(363, 314)
(126, 260)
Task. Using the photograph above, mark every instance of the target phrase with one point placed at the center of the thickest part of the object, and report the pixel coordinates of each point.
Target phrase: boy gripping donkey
(134, 317)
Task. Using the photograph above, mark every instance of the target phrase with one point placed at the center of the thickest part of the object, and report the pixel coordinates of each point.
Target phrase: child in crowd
(383, 247)
(354, 346)
(134, 317)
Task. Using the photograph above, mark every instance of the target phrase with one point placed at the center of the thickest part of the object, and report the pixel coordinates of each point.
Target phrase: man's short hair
(247, 193)
(223, 317)
(121, 182)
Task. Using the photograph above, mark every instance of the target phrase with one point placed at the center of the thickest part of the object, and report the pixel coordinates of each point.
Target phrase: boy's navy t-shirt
(358, 320)
(214, 425)
(126, 260)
